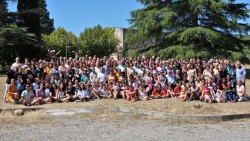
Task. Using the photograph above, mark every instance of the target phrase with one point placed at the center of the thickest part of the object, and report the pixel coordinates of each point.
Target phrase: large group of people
(85, 78)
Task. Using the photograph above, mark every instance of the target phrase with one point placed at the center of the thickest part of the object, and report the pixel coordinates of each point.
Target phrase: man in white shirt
(16, 64)
(93, 76)
(101, 76)
(170, 77)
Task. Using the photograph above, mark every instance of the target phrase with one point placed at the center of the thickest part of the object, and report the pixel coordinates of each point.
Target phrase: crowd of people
(85, 78)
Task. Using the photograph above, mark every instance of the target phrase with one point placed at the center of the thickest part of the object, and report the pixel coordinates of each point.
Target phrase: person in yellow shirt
(47, 69)
(12, 95)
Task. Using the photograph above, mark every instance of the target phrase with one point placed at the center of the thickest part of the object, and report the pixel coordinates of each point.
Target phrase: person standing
(240, 72)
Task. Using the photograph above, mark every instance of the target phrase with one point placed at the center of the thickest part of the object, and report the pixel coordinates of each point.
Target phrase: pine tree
(28, 11)
(192, 28)
(47, 24)
(3, 13)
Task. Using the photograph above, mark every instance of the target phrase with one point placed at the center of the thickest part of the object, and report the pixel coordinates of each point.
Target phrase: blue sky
(76, 15)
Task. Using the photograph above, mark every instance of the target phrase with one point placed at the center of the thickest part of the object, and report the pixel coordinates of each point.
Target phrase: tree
(15, 41)
(192, 28)
(28, 11)
(3, 13)
(34, 15)
(47, 24)
(59, 40)
(98, 41)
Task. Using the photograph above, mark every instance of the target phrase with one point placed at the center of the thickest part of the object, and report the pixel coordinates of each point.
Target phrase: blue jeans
(231, 96)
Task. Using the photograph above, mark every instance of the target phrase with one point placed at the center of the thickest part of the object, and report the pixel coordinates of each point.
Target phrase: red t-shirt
(177, 90)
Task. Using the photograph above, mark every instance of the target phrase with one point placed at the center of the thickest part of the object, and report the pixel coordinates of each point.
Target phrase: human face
(28, 87)
(12, 81)
(61, 86)
(17, 60)
(41, 86)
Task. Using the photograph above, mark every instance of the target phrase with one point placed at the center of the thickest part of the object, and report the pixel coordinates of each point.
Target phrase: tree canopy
(98, 41)
(20, 32)
(59, 40)
(192, 28)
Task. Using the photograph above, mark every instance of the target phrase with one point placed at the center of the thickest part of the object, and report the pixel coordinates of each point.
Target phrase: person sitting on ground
(142, 93)
(71, 91)
(130, 93)
(192, 93)
(184, 89)
(230, 92)
(118, 92)
(105, 93)
(177, 90)
(218, 94)
(27, 96)
(170, 92)
(241, 93)
(82, 93)
(207, 95)
(12, 95)
(61, 94)
(156, 94)
(41, 95)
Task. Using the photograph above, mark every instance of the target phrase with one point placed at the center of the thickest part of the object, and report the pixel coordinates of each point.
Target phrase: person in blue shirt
(240, 72)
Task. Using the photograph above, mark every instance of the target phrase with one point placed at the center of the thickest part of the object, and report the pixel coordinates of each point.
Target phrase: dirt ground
(163, 105)
(107, 126)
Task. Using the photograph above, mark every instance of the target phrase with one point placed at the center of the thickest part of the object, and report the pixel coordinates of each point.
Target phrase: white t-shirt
(82, 93)
(101, 76)
(16, 65)
(35, 86)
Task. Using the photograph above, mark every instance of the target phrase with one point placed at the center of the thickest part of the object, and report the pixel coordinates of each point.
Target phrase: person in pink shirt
(240, 88)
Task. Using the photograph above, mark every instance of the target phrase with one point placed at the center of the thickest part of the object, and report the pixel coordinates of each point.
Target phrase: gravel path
(127, 129)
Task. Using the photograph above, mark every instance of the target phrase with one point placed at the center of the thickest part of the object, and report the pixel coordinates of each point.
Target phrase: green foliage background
(191, 28)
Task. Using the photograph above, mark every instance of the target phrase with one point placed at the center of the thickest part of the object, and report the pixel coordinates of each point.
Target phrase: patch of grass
(8, 118)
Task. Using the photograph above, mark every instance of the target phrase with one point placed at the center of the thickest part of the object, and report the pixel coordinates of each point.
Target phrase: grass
(9, 118)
